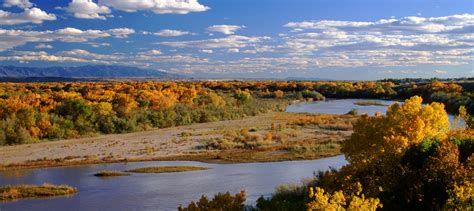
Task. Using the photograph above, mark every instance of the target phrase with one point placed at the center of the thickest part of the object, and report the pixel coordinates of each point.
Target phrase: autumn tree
(409, 159)
(279, 94)
(243, 96)
(468, 119)
(387, 137)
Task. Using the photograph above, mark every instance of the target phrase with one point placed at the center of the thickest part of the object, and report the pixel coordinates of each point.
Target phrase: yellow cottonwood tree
(386, 137)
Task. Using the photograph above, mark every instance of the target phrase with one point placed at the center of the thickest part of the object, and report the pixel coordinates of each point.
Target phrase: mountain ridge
(87, 71)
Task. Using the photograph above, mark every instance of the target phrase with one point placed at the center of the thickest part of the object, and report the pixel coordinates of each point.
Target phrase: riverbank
(275, 136)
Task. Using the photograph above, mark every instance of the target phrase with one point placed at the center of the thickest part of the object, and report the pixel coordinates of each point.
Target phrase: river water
(159, 191)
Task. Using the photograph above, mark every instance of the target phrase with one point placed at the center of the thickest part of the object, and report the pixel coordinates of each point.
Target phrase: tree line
(32, 112)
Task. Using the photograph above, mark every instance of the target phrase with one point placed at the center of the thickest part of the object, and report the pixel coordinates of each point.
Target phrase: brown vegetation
(108, 173)
(370, 103)
(167, 169)
(34, 191)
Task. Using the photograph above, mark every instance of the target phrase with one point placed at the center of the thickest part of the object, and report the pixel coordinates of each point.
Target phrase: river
(159, 191)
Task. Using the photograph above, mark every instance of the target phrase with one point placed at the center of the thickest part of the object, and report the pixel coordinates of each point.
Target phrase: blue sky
(331, 39)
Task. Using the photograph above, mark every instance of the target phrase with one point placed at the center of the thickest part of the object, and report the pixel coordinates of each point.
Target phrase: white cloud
(27, 56)
(151, 52)
(409, 72)
(43, 46)
(86, 55)
(13, 38)
(260, 49)
(233, 50)
(149, 59)
(87, 9)
(410, 24)
(156, 6)
(250, 51)
(206, 51)
(225, 29)
(71, 34)
(29, 15)
(440, 71)
(406, 41)
(97, 45)
(233, 41)
(121, 32)
(158, 60)
(170, 33)
(17, 3)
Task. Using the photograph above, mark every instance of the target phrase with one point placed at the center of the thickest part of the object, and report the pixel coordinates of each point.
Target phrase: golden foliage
(382, 137)
(462, 197)
(279, 93)
(338, 201)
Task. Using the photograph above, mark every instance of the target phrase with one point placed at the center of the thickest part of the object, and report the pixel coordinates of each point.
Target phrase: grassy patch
(34, 191)
(370, 103)
(323, 121)
(107, 173)
(167, 169)
(314, 147)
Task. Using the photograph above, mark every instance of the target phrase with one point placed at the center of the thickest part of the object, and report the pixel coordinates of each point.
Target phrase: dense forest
(31, 112)
(34, 112)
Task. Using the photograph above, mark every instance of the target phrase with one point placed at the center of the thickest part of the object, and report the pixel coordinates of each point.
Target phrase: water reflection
(15, 173)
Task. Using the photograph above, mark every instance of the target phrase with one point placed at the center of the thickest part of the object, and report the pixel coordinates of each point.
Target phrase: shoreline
(196, 158)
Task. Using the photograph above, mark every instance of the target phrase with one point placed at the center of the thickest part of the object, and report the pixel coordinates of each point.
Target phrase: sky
(327, 39)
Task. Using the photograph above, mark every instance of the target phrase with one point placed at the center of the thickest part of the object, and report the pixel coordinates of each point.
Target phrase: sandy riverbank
(187, 143)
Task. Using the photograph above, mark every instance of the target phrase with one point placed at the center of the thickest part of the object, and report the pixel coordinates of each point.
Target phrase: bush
(221, 201)
(354, 112)
(285, 198)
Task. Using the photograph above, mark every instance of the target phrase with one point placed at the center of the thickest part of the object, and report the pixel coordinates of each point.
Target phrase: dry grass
(108, 173)
(323, 121)
(9, 193)
(167, 169)
(289, 130)
(369, 103)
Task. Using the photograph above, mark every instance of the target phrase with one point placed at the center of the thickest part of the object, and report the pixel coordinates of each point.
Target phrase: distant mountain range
(88, 71)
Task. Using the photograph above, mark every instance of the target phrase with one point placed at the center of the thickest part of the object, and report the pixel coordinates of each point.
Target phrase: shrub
(286, 197)
(34, 191)
(354, 112)
(339, 201)
(221, 201)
